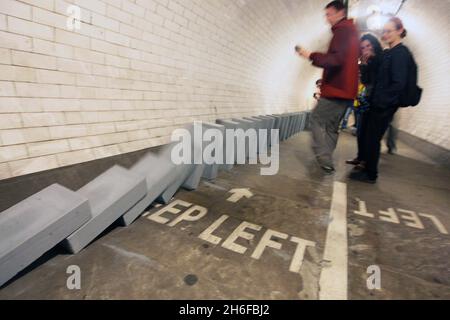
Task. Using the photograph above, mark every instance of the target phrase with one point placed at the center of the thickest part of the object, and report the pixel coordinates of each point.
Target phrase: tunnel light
(376, 21)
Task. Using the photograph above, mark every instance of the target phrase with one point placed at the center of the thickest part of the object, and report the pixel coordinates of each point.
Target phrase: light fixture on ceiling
(377, 13)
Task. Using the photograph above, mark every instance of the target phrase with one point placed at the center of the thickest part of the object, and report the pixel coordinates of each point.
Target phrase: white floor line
(333, 279)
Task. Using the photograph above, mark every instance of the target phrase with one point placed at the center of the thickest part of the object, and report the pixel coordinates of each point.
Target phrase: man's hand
(303, 53)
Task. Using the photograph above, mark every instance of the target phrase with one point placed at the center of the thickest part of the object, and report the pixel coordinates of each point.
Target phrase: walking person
(370, 61)
(391, 136)
(339, 83)
(390, 85)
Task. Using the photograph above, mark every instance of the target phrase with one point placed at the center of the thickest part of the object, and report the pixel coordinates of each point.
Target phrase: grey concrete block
(259, 124)
(295, 127)
(297, 123)
(283, 127)
(303, 121)
(277, 124)
(211, 171)
(300, 122)
(110, 196)
(267, 125)
(286, 126)
(167, 195)
(270, 124)
(187, 176)
(292, 127)
(192, 180)
(278, 121)
(36, 225)
(246, 125)
(160, 173)
(229, 155)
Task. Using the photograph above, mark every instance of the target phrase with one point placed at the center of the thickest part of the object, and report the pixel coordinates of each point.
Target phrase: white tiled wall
(139, 68)
(428, 24)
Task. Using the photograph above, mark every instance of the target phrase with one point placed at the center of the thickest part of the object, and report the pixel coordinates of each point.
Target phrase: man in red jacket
(339, 83)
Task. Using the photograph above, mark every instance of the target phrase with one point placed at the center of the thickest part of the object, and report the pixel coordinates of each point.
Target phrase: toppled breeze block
(160, 173)
(246, 125)
(258, 124)
(110, 195)
(230, 156)
(36, 225)
(268, 126)
(303, 121)
(284, 128)
(211, 171)
(190, 174)
(277, 124)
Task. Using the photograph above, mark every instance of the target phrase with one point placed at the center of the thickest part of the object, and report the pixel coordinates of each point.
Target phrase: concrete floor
(150, 260)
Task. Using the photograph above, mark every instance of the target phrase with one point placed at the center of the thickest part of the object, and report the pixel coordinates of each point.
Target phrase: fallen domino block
(37, 224)
(266, 124)
(275, 120)
(284, 125)
(269, 124)
(230, 156)
(299, 122)
(293, 122)
(159, 173)
(258, 124)
(211, 171)
(247, 125)
(297, 118)
(184, 171)
(288, 126)
(278, 120)
(207, 171)
(110, 195)
(303, 121)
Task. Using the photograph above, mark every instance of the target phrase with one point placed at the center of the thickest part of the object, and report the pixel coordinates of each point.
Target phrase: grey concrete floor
(150, 260)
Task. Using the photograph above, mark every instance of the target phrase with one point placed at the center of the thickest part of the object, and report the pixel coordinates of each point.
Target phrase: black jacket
(391, 78)
(369, 74)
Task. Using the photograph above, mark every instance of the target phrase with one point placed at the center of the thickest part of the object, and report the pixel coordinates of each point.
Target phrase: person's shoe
(362, 176)
(391, 151)
(328, 169)
(354, 162)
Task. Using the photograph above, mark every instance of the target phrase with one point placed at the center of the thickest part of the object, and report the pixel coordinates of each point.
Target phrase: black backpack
(413, 93)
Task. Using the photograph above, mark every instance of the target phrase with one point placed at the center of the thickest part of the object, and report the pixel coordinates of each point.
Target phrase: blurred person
(370, 61)
(390, 85)
(391, 136)
(339, 83)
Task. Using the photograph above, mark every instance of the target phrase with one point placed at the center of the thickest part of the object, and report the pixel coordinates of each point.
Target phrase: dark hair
(399, 25)
(378, 50)
(338, 5)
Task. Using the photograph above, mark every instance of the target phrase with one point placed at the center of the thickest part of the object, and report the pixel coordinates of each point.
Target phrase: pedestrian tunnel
(162, 150)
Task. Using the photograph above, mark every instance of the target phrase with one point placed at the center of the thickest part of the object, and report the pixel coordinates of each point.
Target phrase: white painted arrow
(238, 194)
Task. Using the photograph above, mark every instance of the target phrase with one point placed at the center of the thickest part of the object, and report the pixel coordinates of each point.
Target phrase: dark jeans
(377, 123)
(362, 123)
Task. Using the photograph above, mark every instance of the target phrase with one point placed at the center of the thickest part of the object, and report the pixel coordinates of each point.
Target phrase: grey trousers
(325, 121)
(391, 136)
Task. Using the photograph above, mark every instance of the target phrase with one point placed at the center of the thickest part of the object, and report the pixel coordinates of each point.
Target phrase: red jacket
(340, 76)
